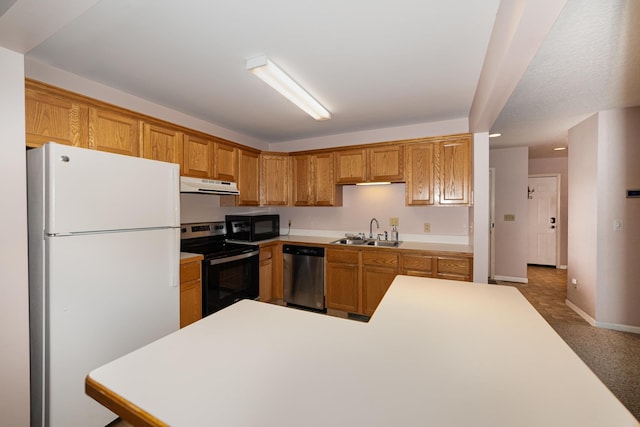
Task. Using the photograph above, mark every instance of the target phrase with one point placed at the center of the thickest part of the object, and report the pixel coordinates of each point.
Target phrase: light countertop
(436, 353)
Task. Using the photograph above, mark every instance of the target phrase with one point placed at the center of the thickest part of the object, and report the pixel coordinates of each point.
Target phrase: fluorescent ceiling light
(280, 81)
(559, 148)
(495, 135)
(373, 183)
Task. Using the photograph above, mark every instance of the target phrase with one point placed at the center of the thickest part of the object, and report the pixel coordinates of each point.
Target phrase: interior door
(543, 220)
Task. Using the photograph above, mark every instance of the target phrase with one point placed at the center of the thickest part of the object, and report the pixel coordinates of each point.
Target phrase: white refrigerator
(104, 243)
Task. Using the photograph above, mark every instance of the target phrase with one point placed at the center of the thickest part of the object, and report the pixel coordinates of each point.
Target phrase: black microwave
(252, 228)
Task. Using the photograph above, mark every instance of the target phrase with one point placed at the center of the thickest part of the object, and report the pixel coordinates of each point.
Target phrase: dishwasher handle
(314, 251)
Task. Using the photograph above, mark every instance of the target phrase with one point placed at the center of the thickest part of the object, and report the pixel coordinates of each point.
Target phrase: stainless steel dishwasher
(303, 276)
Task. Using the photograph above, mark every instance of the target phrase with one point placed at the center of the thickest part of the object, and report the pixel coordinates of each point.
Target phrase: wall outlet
(509, 217)
(427, 227)
(394, 221)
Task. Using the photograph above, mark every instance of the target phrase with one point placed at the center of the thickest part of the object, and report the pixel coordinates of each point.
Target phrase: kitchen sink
(384, 243)
(349, 242)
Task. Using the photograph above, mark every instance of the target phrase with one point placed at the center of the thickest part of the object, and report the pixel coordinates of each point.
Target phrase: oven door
(227, 280)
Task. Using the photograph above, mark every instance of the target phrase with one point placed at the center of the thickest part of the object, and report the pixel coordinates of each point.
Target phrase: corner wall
(511, 177)
(14, 302)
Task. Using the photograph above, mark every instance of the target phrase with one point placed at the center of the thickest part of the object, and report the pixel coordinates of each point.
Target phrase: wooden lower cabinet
(379, 268)
(454, 268)
(342, 279)
(417, 265)
(190, 290)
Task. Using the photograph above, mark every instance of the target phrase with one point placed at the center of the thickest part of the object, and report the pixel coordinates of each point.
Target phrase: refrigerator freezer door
(88, 190)
(108, 294)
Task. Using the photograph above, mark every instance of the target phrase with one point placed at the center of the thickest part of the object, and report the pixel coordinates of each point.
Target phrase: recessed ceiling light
(559, 148)
(495, 135)
(272, 75)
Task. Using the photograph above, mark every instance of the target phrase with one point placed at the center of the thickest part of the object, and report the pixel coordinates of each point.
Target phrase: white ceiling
(373, 64)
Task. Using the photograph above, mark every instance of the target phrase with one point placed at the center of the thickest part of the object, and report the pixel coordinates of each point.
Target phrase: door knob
(553, 220)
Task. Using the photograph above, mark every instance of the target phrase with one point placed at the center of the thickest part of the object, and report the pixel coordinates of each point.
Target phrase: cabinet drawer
(342, 256)
(189, 272)
(417, 263)
(458, 268)
(379, 258)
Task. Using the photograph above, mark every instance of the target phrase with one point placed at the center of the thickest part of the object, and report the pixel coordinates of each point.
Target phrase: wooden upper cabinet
(420, 179)
(323, 181)
(161, 143)
(313, 180)
(386, 163)
(197, 157)
(351, 166)
(53, 118)
(380, 163)
(274, 180)
(114, 131)
(301, 180)
(439, 173)
(225, 163)
(454, 171)
(248, 178)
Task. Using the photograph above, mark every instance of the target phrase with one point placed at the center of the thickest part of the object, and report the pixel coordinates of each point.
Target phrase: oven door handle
(233, 258)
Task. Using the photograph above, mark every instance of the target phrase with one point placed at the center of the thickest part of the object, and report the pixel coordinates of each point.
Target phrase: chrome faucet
(371, 227)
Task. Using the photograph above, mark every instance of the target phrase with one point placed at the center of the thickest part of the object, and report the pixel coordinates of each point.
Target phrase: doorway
(543, 223)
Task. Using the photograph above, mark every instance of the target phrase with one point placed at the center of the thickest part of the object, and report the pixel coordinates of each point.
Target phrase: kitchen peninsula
(435, 352)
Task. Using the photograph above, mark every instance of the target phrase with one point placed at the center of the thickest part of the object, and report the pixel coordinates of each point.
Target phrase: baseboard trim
(511, 279)
(604, 325)
(562, 267)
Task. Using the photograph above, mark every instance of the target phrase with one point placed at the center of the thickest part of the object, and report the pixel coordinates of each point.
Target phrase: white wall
(511, 237)
(618, 264)
(582, 215)
(14, 303)
(479, 214)
(557, 165)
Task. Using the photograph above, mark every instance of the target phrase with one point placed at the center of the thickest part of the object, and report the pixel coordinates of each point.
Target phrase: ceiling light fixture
(559, 148)
(269, 72)
(495, 135)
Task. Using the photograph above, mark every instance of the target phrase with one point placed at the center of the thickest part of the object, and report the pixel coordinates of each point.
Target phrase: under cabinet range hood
(208, 186)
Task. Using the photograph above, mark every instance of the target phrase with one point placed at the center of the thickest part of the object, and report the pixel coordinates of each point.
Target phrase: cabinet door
(160, 143)
(324, 184)
(386, 163)
(342, 280)
(351, 166)
(190, 293)
(197, 157)
(248, 178)
(52, 118)
(379, 268)
(225, 165)
(266, 273)
(301, 180)
(274, 182)
(113, 131)
(420, 179)
(454, 172)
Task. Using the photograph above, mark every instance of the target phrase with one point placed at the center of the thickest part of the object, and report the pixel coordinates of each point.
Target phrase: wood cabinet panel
(113, 131)
(248, 178)
(160, 143)
(52, 118)
(274, 180)
(454, 172)
(351, 166)
(301, 180)
(225, 162)
(379, 268)
(197, 157)
(386, 163)
(313, 180)
(190, 292)
(417, 265)
(266, 273)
